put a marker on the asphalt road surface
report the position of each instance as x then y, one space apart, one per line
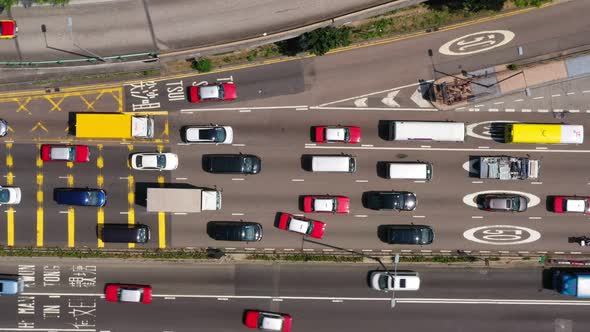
62 294
276 106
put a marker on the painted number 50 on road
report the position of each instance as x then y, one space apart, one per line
502 235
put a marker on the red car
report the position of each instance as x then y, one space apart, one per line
128 293
577 204
302 225
326 203
75 153
337 134
213 92
8 29
268 321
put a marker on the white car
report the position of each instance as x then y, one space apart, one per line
154 161
403 281
10 195
207 134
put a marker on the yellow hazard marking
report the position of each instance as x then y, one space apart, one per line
9 178
39 161
166 129
160 148
70 164
22 106
10 227
9 160
40 196
70 180
161 179
100 222
39 226
71 227
131 221
90 105
39 125
56 106
99 181
39 179
100 162
161 229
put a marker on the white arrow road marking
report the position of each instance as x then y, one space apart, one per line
361 102
419 100
389 100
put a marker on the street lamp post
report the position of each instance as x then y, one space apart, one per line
395 261
71 31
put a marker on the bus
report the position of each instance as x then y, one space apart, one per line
544 133
426 131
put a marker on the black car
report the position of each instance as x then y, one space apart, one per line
406 234
390 200
234 230
232 163
123 233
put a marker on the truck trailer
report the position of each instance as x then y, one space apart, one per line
572 283
182 200
508 168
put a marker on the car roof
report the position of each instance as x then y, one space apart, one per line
323 204
273 323
130 295
298 225
335 134
576 205
209 92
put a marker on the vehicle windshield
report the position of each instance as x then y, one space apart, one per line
513 204
249 233
346 134
161 161
425 236
4 195
384 281
142 235
221 91
248 165
93 197
72 151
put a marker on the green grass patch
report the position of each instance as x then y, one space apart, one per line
306 258
95 253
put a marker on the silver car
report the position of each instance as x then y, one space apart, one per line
504 202
3 128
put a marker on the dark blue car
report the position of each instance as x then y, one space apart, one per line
80 196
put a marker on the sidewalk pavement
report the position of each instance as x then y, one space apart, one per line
496 81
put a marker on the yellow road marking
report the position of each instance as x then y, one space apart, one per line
70 164
10 227
160 148
23 106
100 162
131 221
100 222
70 180
9 160
166 129
40 196
99 181
39 226
55 105
71 227
39 125
9 178
161 229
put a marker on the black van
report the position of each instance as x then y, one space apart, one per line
123 233
232 163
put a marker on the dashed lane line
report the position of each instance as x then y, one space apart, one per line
392 148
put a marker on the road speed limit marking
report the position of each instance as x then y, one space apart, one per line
477 42
502 235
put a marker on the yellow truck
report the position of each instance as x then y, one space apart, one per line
114 125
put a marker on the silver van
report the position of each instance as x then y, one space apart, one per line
340 163
409 171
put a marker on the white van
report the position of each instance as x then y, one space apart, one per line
408 171
342 163
426 131
401 281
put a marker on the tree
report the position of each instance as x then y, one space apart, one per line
466 5
320 41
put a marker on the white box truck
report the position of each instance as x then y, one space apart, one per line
508 168
183 200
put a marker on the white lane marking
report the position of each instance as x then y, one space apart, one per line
288 249
372 108
389 100
386 250
535 218
180 213
306 108
237 214
371 94
536 182
483 147
181 178
367 145
574 111
238 179
391 148
541 148
575 252
277 300
469 199
518 100
222 299
425 146
62 211
418 216
419 100
123 212
297 180
419 181
510 110
557 95
476 182
310 144
570 93
476 217
479 105
361 102
238 144
499 103
124 143
586 91
493 110
526 110
558 110
269 249
538 98
560 252
308 249
459 108
504 251
245 111
123 178
361 180
367 250
337 301
473 110
361 215
240 108
327 249
543 111
484 251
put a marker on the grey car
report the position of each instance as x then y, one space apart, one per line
504 202
3 128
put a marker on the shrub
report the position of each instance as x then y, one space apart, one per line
512 66
202 65
320 41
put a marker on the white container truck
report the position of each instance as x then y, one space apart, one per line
188 200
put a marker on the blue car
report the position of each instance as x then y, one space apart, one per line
80 196
11 286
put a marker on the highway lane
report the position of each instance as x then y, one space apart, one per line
326 296
134 26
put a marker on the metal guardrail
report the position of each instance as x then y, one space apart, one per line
148 55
